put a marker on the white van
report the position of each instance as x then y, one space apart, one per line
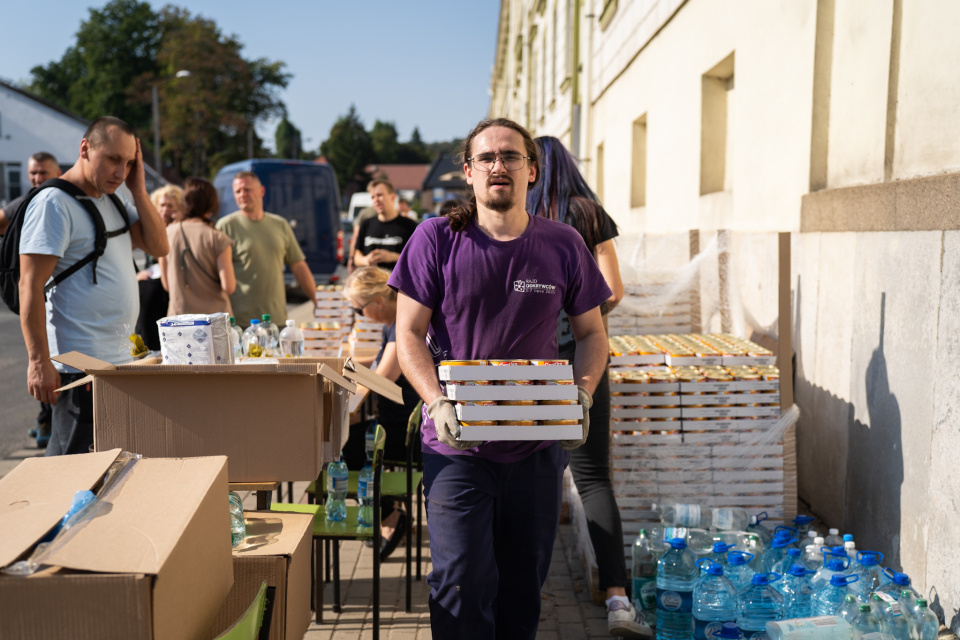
359 200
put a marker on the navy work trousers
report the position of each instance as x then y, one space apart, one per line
492 530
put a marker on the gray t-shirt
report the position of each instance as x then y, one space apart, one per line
94 319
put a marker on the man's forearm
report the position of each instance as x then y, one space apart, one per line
417 365
305 279
590 361
33 322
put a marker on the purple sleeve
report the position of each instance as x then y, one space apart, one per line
416 273
587 287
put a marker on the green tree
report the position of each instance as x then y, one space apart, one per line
287 140
116 45
414 151
386 146
349 149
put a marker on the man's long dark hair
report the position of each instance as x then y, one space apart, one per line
562 194
464 212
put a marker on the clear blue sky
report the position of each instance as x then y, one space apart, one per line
419 63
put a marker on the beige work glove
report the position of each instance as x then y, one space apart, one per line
443 412
586 401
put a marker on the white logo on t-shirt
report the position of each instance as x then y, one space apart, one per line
530 285
389 241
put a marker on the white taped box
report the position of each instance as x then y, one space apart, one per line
536 412
521 432
465 393
738 399
329 291
362 324
336 315
635 401
652 358
196 338
315 343
519 372
321 353
333 303
322 334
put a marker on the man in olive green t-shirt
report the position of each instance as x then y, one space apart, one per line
262 244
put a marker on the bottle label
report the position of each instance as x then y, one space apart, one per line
645 592
890 600
723 519
364 489
704 629
333 484
687 515
674 601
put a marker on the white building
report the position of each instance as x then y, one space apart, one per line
29 124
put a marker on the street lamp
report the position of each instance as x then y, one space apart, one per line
183 73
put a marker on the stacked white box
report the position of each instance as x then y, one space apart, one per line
366 337
333 306
321 339
541 385
653 306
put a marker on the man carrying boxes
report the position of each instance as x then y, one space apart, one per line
489 281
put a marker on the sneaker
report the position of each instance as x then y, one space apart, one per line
43 435
625 621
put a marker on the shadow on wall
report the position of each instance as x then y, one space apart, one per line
869 498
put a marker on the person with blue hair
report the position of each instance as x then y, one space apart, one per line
562 194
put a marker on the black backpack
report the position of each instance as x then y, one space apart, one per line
10 244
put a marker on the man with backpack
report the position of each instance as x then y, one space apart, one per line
40 167
94 309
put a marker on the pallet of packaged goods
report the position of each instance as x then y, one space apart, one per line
650 307
513 399
321 339
332 306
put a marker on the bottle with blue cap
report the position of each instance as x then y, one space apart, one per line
738 570
718 554
828 600
776 552
693 515
783 565
728 631
756 527
802 524
833 564
677 575
892 594
797 594
714 600
758 604
870 573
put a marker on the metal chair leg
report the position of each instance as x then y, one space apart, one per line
336 577
419 529
317 584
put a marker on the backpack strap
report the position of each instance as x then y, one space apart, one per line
101 237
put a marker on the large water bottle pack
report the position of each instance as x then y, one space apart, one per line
779 589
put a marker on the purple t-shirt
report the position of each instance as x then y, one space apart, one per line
496 300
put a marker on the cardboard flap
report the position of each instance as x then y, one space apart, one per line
76 383
139 528
37 494
274 533
82 362
374 381
336 378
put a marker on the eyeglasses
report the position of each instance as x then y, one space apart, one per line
511 161
359 310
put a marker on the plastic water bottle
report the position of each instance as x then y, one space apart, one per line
236 338
850 608
252 341
812 556
929 624
867 625
692 515
757 604
833 538
337 476
365 496
291 340
714 601
902 626
729 631
797 594
802 523
850 547
272 342
820 628
646 552
370 440
677 575
776 553
832 565
828 600
783 565
738 570
719 555
891 593
870 573
755 527
238 526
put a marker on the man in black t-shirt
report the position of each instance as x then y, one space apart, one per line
381 239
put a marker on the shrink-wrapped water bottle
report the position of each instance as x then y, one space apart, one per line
253 340
236 339
818 628
677 574
692 515
758 604
832 565
272 332
365 496
776 552
782 566
714 601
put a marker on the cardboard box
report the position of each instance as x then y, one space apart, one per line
154 563
522 372
276 422
276 551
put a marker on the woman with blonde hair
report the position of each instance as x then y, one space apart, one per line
168 200
368 293
198 271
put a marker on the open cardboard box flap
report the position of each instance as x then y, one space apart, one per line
91 365
38 492
373 381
